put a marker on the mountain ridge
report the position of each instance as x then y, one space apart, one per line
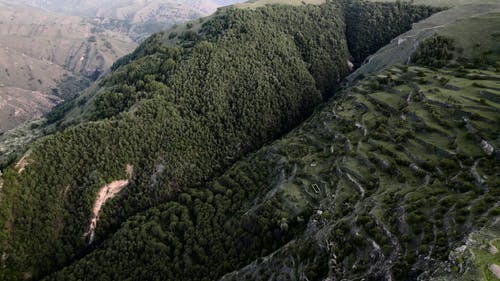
316 203
154 85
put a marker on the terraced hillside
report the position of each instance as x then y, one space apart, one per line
382 183
397 171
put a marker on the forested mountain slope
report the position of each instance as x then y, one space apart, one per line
382 183
395 178
172 116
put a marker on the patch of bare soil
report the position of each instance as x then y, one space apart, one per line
105 193
23 163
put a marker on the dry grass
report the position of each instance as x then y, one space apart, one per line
259 3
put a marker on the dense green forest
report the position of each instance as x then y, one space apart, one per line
181 115
369 187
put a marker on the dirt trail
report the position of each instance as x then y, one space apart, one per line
105 193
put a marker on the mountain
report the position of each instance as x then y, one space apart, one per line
135 11
137 18
51 50
179 110
393 179
47 57
404 190
232 148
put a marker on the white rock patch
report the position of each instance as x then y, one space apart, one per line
495 269
487 148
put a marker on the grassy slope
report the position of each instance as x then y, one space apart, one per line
477 37
444 3
466 24
401 186
474 257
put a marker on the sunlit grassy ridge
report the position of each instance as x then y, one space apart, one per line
474 29
442 3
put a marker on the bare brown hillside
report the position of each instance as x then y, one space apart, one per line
39 49
136 11
18 106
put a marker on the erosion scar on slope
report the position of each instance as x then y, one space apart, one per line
23 162
105 193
